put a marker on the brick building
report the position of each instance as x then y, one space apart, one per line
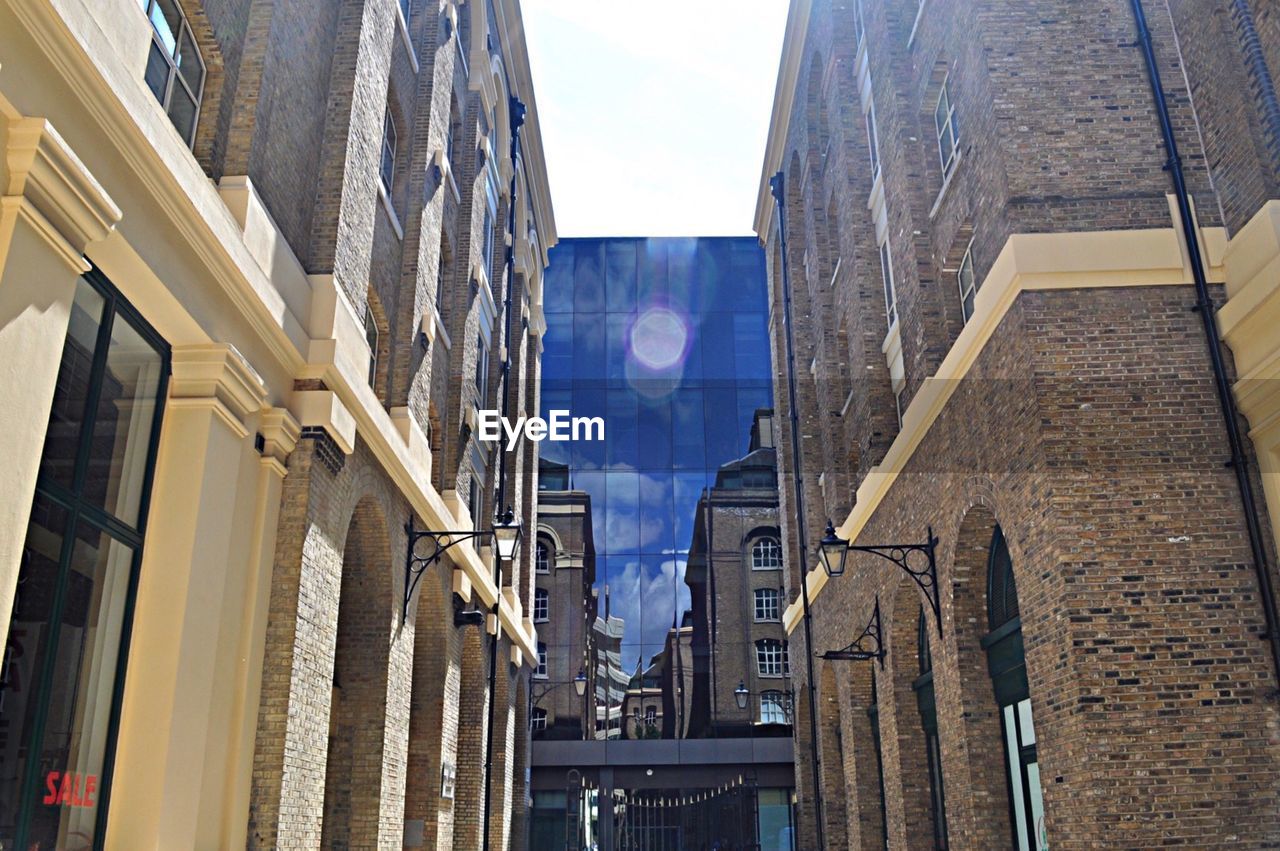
735 588
254 262
564 609
994 336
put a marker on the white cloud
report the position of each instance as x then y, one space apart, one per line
654 116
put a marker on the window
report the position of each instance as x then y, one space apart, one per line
771 658
76 574
541 670
175 71
774 708
766 604
441 271
886 275
948 128
538 720
406 8
873 718
766 554
873 142
542 558
968 285
923 687
488 242
859 25
541 605
387 171
474 499
482 373
650 716
371 337
1007 664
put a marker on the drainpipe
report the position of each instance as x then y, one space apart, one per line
1259 72
776 187
517 120
1204 306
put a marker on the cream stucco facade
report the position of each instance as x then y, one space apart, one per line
93 174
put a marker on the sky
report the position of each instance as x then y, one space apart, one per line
654 115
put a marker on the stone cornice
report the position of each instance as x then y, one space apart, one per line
793 43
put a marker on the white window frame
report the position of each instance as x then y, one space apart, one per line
758 546
371 338
774 707
766 605
542 557
174 75
540 672
541 605
873 141
538 719
968 288
859 26
771 658
886 277
387 163
946 128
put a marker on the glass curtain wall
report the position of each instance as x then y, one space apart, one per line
667 341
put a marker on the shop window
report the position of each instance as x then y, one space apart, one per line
62 674
925 703
1007 665
766 554
175 70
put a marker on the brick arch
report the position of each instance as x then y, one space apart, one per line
865 809
902 630
832 760
970 726
354 767
433 650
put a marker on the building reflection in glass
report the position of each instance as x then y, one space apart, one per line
662 562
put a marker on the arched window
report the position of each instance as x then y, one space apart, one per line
774 708
923 687
766 554
541 605
175 71
1006 662
542 558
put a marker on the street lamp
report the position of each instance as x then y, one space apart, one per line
427 547
832 551
580 682
740 694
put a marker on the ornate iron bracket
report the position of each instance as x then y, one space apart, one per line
918 561
856 651
425 549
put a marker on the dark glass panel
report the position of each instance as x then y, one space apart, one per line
721 426
71 393
717 346
588 278
557 283
687 429
122 427
157 72
620 277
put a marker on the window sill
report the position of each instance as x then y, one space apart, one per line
765 569
542 620
391 211
403 26
946 183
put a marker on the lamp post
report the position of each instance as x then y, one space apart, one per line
579 684
776 184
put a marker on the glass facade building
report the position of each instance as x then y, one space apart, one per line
666 340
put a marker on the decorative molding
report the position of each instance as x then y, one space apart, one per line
44 170
280 433
217 374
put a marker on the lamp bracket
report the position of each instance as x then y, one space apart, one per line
860 649
435 545
919 561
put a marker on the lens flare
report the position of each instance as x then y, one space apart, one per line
659 339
